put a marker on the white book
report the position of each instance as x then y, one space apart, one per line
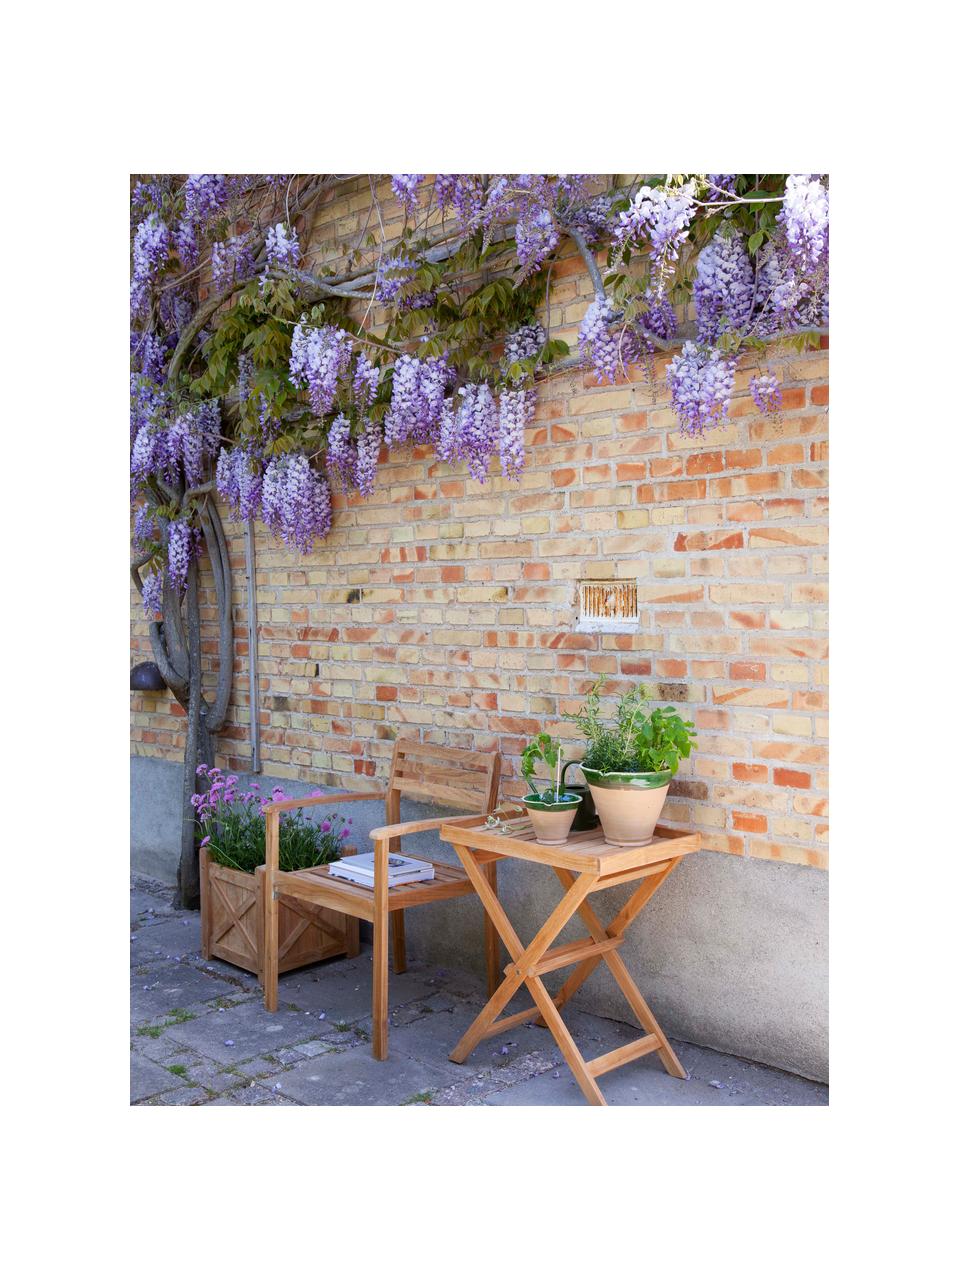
359 868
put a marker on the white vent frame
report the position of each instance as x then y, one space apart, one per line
610 605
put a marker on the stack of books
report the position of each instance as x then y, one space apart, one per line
400 870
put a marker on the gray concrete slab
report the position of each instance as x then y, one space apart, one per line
352 1077
343 989
147 1079
172 986
175 938
242 1032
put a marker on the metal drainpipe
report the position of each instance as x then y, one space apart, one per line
252 647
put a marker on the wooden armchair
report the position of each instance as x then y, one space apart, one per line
444 775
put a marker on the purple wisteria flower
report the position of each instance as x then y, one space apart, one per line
405 189
469 429
239 480
144 526
663 216
153 594
368 456
282 247
701 384
724 286
597 341
231 260
416 401
462 191
395 276
181 548
523 344
151 246
766 391
342 452
805 218
319 358
186 243
296 501
517 406
193 437
204 194
366 380
721 186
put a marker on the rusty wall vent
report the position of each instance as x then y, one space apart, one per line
608 605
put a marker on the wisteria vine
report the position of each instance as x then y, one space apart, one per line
256 380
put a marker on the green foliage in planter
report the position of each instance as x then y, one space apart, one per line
234 827
637 740
544 748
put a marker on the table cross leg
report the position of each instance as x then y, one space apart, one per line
615 964
522 970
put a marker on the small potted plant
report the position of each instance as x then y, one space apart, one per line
232 852
629 762
552 810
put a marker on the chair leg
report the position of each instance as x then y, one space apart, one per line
380 954
399 942
491 940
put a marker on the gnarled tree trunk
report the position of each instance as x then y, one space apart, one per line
176 643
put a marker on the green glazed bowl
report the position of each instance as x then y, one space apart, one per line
627 781
568 802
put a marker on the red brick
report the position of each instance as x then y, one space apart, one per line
386 693
700 464
747 671
790 778
750 772
820 395
755 822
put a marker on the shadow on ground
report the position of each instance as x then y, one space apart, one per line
201 1037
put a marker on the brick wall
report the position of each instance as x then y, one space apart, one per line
446 609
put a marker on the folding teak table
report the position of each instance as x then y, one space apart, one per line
584 864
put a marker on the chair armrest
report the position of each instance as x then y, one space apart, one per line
338 797
428 824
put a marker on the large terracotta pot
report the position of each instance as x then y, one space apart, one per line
629 804
552 822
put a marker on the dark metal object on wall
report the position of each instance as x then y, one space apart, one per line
146 678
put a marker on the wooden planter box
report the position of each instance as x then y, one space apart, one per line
231 922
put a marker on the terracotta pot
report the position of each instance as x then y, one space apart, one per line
552 822
629 804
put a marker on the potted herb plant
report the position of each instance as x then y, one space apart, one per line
231 878
552 810
630 761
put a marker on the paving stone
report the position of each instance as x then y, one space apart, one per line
345 994
314 1048
644 1083
148 1079
251 1096
186 1096
431 1038
173 939
249 1028
353 1077
171 986
243 984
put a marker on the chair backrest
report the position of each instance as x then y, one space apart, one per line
448 776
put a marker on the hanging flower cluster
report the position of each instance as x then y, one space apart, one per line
319 358
394 278
405 189
417 399
598 343
766 392
805 218
151 245
183 544
663 217
230 260
723 290
239 480
295 503
701 384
